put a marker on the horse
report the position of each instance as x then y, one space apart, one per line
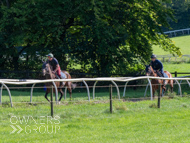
155 82
47 73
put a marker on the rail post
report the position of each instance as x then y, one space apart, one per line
88 92
111 110
94 86
1 94
151 94
118 93
125 89
175 73
8 93
159 96
56 92
31 92
51 101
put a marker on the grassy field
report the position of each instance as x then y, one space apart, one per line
82 121
91 122
182 42
182 67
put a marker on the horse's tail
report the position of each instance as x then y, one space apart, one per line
73 85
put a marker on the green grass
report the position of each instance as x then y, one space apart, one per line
83 121
182 67
182 42
92 122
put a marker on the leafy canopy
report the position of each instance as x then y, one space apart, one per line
112 36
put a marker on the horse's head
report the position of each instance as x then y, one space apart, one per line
45 68
149 70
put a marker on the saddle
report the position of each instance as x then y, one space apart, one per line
160 74
63 76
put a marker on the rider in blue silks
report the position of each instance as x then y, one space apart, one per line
158 66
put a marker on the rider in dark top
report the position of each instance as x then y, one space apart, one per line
157 65
55 64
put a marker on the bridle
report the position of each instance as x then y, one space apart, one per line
150 71
46 70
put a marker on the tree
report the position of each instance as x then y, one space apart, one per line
111 36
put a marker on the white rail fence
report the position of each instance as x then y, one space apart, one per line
5 82
170 58
175 33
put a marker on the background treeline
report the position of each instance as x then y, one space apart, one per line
102 37
181 10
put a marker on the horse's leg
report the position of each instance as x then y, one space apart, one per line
163 90
46 96
172 85
61 95
172 89
70 89
153 91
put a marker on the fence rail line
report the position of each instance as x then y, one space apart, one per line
84 80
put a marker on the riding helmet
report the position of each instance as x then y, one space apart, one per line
153 56
50 55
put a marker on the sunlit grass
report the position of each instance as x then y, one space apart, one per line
92 122
182 42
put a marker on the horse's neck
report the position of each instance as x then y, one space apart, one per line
153 73
50 73
156 75
48 76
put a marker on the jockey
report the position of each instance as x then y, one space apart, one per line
54 63
158 66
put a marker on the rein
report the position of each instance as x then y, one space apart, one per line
154 74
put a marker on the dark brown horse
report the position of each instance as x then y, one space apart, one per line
155 83
47 72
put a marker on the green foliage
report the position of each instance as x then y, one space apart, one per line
181 10
112 36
